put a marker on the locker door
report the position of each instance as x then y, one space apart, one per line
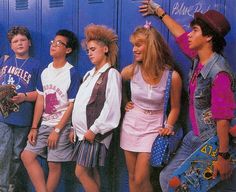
26 13
3 27
57 14
129 19
98 12
230 51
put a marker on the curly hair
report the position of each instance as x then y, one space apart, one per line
18 30
157 55
105 35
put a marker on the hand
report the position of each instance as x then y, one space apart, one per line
149 7
72 136
165 131
224 167
89 136
19 98
53 139
129 106
32 136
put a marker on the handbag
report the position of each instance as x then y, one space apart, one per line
164 146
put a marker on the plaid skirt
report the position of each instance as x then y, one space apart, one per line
90 154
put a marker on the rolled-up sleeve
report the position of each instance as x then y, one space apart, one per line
222 100
182 41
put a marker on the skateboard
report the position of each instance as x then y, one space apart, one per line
196 172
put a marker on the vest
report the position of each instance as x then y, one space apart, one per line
202 94
96 103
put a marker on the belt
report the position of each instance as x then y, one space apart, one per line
148 112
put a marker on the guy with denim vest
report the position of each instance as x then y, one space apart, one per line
211 89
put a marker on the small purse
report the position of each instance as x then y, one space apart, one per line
164 146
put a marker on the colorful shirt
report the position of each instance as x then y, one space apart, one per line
23 74
222 96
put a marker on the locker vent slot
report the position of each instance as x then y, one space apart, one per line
56 3
22 4
95 1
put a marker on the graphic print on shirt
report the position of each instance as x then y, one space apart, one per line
15 76
51 102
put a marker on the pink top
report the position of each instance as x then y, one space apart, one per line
222 99
146 96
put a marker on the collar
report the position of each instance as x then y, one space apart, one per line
101 70
208 66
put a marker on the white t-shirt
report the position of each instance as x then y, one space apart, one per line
59 87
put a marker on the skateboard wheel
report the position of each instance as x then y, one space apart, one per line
175 182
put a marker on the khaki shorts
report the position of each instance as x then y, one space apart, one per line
63 151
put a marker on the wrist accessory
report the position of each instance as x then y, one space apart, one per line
34 128
225 155
162 15
25 94
152 7
57 130
169 126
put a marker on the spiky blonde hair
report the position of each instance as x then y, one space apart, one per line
107 36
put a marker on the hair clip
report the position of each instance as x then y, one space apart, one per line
147 25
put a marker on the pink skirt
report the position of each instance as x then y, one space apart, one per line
139 129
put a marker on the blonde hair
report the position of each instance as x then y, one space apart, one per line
157 55
107 36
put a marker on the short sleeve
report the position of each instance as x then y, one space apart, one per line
74 85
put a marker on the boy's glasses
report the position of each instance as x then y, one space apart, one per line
57 43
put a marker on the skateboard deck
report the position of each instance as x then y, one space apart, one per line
195 173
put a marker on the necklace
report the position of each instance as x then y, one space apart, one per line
21 64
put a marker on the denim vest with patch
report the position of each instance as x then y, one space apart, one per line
202 95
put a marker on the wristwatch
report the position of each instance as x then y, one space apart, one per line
57 130
225 155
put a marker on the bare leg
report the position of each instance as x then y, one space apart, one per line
142 173
53 176
131 158
139 171
86 178
34 170
97 177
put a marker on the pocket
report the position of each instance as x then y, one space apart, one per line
203 98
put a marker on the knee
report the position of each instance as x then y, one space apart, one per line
80 173
140 181
131 177
54 167
26 157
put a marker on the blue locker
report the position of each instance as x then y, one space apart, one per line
27 13
3 28
45 17
57 14
230 51
128 19
97 12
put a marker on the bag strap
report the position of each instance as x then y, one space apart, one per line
167 95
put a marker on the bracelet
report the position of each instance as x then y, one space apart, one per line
169 126
25 94
34 128
162 15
